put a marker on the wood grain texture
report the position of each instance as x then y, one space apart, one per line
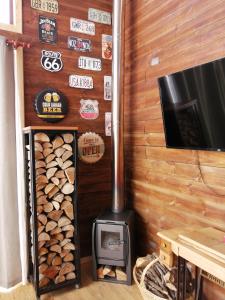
169 187
94 180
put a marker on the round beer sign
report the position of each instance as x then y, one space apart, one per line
91 147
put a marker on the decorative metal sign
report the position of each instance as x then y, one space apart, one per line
99 16
107 46
81 82
91 147
82 26
108 124
107 87
89 109
51 61
47 30
50 6
51 105
78 44
90 63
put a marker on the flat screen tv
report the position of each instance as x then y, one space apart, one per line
193 106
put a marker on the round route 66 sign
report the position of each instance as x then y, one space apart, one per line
51 61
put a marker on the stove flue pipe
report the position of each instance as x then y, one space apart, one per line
118 203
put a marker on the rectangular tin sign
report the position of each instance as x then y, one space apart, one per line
50 6
82 26
47 30
81 82
79 44
107 87
99 16
108 123
107 46
89 63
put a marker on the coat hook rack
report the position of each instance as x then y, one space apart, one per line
16 44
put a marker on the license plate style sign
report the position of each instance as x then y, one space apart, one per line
78 44
82 26
99 16
81 82
50 6
90 63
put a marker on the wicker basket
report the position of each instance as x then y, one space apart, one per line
146 294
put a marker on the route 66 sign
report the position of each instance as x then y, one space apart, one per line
51 61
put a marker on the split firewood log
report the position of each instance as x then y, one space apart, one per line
70 276
40 164
47 145
59 151
59 197
50 226
59 236
41 179
43 237
41 137
69 234
62 182
51 172
69 246
41 244
43 219
66 268
50 258
42 268
42 259
56 205
107 269
59 279
40 209
40 229
68 198
42 200
52 164
38 155
51 272
68 147
55 231
69 257
68 188
53 192
57 261
40 171
64 242
64 253
120 274
66 164
70 174
42 251
68 138
68 228
66 155
43 282
63 221
49 158
56 248
55 180
39 193
47 151
57 142
59 161
39 187
55 215
65 204
68 208
38 147
51 242
100 273
49 187
60 174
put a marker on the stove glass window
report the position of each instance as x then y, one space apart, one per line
110 240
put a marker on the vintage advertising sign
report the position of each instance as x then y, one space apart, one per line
89 109
51 61
91 147
107 46
108 88
82 26
108 124
99 16
78 44
50 105
50 6
90 63
47 30
81 82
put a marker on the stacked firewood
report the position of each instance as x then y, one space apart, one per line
111 272
55 179
159 279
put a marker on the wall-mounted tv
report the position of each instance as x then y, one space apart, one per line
193 106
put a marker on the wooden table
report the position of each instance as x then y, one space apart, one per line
186 252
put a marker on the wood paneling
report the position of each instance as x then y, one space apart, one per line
169 187
94 180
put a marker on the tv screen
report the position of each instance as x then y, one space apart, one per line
193 106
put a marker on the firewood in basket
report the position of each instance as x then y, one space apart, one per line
42 268
64 242
67 164
56 205
47 152
57 261
38 147
59 279
38 155
70 174
50 226
100 273
70 276
49 187
58 197
43 282
57 142
68 138
63 221
42 218
66 268
59 161
59 151
69 234
50 258
120 274
68 188
62 182
69 227
55 215
69 246
69 257
56 248
40 171
49 158
68 147
52 164
51 272
51 172
43 237
53 192
41 137
47 145
60 174
42 251
40 209
55 231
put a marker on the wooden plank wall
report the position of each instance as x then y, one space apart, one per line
94 180
169 187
